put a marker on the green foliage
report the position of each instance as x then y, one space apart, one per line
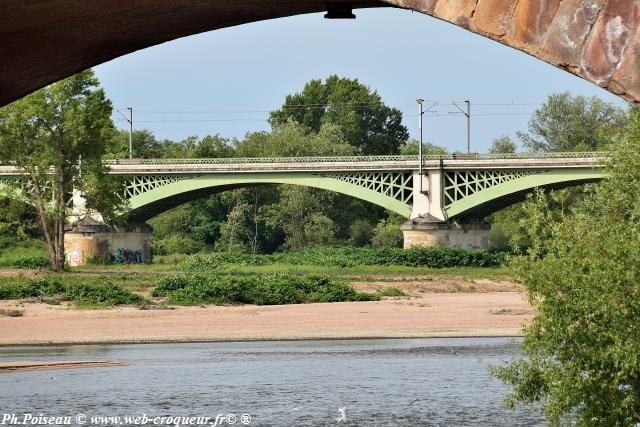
80 294
351 256
582 274
260 290
58 135
366 122
361 232
31 262
563 123
24 254
502 145
176 244
387 234
412 145
18 221
574 123
392 292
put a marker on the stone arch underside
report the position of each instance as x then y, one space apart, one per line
147 204
47 40
484 202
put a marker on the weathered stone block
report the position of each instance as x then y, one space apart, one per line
626 79
569 30
612 32
459 12
425 6
494 16
532 20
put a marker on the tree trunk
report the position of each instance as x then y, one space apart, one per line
254 244
44 221
60 216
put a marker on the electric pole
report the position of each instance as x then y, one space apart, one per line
468 126
468 115
130 132
420 114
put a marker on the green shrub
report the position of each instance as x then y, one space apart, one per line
392 292
351 256
94 294
260 290
107 294
360 232
176 244
29 254
31 262
387 235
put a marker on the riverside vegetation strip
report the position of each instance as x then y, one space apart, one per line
313 275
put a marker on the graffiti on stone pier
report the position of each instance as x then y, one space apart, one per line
128 256
74 258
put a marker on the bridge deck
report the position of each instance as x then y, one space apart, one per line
345 164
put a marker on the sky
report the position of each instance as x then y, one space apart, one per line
226 81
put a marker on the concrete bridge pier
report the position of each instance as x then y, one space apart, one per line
428 225
88 239
423 232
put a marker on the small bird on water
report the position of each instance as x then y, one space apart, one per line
343 414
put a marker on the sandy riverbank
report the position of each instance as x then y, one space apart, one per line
488 309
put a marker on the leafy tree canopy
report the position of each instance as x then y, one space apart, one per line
58 135
582 274
574 123
366 122
502 145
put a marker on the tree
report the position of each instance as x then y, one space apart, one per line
144 143
297 213
428 149
563 123
366 122
58 136
387 234
361 232
502 145
574 123
582 350
235 231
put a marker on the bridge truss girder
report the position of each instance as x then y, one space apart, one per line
475 194
150 195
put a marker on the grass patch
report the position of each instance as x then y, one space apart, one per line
272 289
52 288
11 313
392 292
31 254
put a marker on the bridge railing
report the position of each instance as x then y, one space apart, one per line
354 159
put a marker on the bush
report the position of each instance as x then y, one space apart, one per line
273 289
361 232
392 292
26 254
387 235
350 256
94 294
31 262
176 244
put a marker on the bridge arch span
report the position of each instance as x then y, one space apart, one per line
484 201
154 199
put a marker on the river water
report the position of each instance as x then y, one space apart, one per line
430 382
